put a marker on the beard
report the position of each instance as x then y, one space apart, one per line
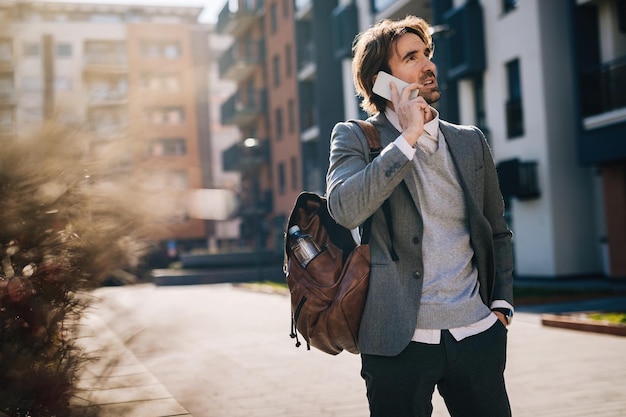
431 96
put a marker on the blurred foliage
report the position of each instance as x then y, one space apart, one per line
609 317
67 221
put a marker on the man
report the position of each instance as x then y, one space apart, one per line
440 293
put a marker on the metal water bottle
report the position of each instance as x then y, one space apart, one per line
303 246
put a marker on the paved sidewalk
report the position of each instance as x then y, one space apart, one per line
222 351
114 382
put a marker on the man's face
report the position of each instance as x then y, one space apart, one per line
410 62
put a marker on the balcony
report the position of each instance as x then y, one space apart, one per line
239 157
108 132
308 110
107 98
105 63
603 89
6 123
7 98
251 209
244 109
6 64
236 23
306 62
304 9
240 60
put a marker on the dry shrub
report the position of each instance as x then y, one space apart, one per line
67 221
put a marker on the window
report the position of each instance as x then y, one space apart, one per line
276 70
6 119
105 53
508 5
32 84
6 50
171 50
288 59
161 49
63 50
31 115
621 15
291 116
166 115
279 123
514 110
161 82
6 87
63 84
31 49
281 178
286 10
167 147
294 173
274 17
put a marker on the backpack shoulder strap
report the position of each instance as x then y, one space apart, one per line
371 133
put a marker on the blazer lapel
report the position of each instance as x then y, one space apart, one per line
463 156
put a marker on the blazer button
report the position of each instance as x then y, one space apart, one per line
417 275
416 240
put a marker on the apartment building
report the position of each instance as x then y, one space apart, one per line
133 73
224 235
543 79
261 60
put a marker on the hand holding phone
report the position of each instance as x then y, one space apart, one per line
382 88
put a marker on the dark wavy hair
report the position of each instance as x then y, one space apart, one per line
371 51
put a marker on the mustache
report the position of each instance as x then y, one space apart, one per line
427 75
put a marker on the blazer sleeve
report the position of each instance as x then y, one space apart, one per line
356 188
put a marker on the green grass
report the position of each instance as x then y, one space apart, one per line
611 317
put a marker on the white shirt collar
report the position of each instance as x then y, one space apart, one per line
431 128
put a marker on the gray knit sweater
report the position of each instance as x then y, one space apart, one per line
450 297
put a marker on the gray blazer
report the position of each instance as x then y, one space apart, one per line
356 190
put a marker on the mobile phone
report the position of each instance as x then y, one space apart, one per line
381 86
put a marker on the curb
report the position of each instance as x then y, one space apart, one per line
582 323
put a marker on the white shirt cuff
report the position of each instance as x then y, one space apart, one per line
404 147
501 304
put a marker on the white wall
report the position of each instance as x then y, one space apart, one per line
555 234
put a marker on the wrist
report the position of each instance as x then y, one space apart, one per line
506 312
411 136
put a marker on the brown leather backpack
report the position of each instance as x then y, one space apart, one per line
327 297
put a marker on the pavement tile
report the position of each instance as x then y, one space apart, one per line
113 382
154 408
223 351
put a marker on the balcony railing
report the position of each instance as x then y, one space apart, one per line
107 97
109 131
240 158
6 63
106 62
603 87
7 97
236 22
306 56
243 109
241 59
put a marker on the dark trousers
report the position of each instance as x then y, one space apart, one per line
467 373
